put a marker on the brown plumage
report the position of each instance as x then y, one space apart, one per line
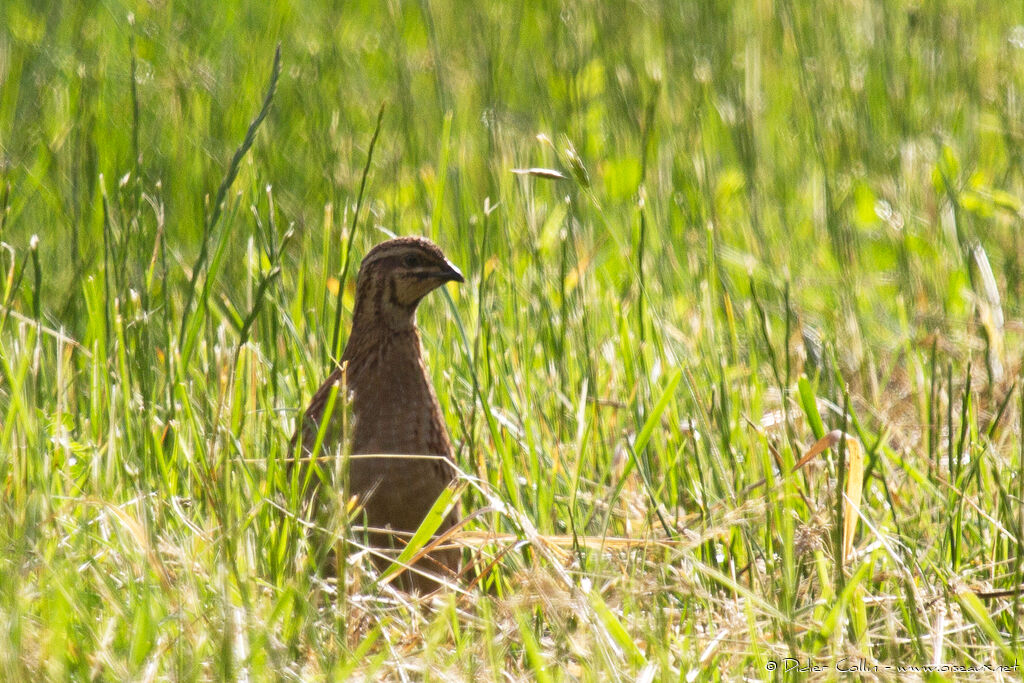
393 405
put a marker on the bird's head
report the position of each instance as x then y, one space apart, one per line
395 276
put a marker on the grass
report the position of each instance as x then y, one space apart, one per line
764 222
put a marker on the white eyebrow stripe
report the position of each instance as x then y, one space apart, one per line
395 250
392 250
373 258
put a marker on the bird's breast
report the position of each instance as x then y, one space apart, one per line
394 407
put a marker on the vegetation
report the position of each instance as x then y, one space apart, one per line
748 226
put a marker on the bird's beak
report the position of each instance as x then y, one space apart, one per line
449 273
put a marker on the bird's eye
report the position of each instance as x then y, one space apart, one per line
411 261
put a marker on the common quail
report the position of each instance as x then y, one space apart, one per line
393 406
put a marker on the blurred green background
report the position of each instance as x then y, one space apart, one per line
806 136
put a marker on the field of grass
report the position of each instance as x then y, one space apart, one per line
760 223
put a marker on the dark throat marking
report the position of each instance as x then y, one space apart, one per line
393 294
378 299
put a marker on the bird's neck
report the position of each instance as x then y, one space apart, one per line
378 312
377 332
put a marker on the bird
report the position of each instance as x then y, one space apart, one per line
394 410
